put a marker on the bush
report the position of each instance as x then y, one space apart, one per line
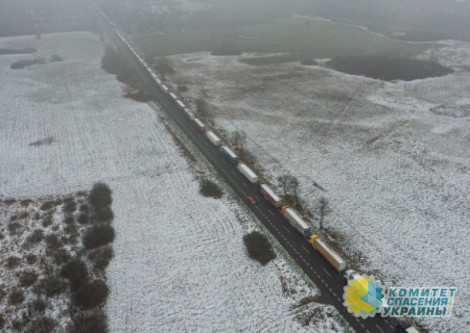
101 257
100 195
47 220
97 236
14 228
83 219
69 219
16 297
258 247
84 209
36 236
91 294
53 243
31 259
38 305
89 322
28 278
12 262
104 214
47 205
69 206
210 189
41 325
76 272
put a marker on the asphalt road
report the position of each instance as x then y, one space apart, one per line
328 280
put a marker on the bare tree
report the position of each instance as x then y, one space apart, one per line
283 180
238 139
293 186
323 209
201 107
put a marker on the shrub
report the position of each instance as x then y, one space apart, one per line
101 257
13 218
28 278
47 220
76 272
83 219
26 202
41 325
89 322
36 236
91 294
24 214
2 322
104 214
14 228
61 256
258 247
210 189
100 195
38 305
84 209
97 236
47 205
164 66
16 297
69 219
69 206
12 262
53 243
31 259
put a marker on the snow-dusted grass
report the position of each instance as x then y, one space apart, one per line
180 263
393 158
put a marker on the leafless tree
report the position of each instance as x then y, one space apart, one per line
323 209
238 139
293 186
201 107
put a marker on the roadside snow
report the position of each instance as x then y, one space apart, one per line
393 158
180 263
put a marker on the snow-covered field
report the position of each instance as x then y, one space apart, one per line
393 157
180 263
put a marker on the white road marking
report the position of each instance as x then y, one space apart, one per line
257 198
303 247
287 229
379 328
326 271
271 212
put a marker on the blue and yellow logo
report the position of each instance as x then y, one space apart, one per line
363 296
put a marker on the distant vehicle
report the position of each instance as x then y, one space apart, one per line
403 327
180 104
333 258
295 220
165 89
188 114
248 173
200 125
173 96
229 154
214 139
251 200
270 195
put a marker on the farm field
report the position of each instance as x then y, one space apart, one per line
179 260
301 37
390 157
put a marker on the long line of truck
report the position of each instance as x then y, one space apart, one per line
290 214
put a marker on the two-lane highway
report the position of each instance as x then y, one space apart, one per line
309 260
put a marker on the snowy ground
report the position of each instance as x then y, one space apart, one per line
180 263
393 158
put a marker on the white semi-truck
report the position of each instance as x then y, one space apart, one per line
214 139
295 220
248 173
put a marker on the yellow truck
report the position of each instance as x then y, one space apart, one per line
333 258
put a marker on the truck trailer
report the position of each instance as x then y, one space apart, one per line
200 125
229 154
174 97
248 173
295 220
165 89
213 138
269 194
188 114
333 258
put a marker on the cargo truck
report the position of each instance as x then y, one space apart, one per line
295 220
174 97
165 89
405 328
200 125
213 138
248 173
188 114
269 194
229 154
333 258
180 104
